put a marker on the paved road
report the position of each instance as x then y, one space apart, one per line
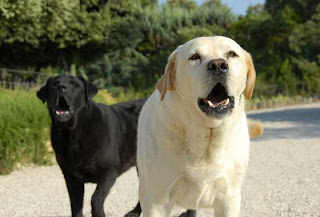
283 177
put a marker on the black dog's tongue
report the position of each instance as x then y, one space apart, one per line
62 112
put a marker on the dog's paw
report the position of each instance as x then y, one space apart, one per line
132 214
188 213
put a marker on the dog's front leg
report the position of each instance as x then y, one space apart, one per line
103 187
152 208
76 191
227 206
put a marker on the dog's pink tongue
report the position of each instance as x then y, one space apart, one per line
62 112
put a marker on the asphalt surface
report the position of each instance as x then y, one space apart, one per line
283 177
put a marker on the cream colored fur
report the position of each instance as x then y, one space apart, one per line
186 158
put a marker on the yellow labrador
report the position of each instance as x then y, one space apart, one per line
193 141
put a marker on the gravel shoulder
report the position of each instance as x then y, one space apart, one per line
282 178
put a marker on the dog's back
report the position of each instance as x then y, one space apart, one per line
126 121
130 108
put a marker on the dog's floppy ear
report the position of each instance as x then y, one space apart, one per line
90 89
167 81
251 76
43 92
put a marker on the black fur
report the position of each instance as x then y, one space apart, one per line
92 142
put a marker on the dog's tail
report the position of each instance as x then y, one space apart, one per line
255 128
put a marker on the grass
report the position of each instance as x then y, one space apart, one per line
24 127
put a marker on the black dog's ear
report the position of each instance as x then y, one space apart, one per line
90 89
43 92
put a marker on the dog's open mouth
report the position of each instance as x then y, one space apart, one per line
217 103
62 108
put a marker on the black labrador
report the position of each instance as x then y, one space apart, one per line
92 142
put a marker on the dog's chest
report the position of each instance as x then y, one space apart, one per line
77 161
192 194
207 173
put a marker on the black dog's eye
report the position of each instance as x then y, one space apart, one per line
73 83
231 54
54 84
195 57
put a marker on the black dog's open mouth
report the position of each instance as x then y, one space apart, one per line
217 103
62 109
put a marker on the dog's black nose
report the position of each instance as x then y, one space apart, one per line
218 66
62 87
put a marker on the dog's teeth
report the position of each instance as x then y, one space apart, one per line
226 102
57 112
210 103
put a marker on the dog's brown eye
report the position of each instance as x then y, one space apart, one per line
195 57
231 54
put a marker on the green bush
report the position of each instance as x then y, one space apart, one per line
24 130
123 94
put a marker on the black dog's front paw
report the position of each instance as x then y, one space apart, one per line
132 214
135 212
188 213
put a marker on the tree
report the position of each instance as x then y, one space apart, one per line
121 56
185 4
305 42
212 3
303 8
146 3
305 39
42 33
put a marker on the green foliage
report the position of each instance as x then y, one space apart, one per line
141 40
43 33
287 78
105 97
285 46
126 44
303 8
122 94
146 3
24 127
305 39
185 4
310 75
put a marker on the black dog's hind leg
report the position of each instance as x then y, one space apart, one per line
76 191
189 213
135 212
102 190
